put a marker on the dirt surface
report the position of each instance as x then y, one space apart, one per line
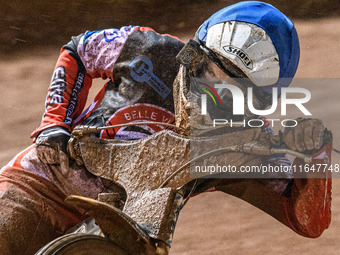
29 24
212 223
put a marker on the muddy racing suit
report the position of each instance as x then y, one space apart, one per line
141 66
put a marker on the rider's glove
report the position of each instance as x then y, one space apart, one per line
306 135
52 147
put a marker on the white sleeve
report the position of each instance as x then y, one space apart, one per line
99 50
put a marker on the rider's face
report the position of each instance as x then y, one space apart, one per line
209 70
213 72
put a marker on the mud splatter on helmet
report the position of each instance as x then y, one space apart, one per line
257 38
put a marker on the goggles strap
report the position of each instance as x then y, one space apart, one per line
214 58
194 52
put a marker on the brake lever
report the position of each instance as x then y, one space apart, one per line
307 155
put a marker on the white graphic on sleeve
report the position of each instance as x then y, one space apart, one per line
58 86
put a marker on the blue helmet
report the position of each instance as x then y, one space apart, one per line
258 39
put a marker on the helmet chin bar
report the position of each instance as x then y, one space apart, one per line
248 47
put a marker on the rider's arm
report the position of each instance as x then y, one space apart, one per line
306 209
302 204
87 56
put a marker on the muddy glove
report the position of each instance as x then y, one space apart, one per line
52 147
306 135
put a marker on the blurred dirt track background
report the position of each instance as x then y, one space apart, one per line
31 34
26 24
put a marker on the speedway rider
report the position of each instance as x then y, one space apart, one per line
142 68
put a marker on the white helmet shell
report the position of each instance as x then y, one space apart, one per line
248 47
